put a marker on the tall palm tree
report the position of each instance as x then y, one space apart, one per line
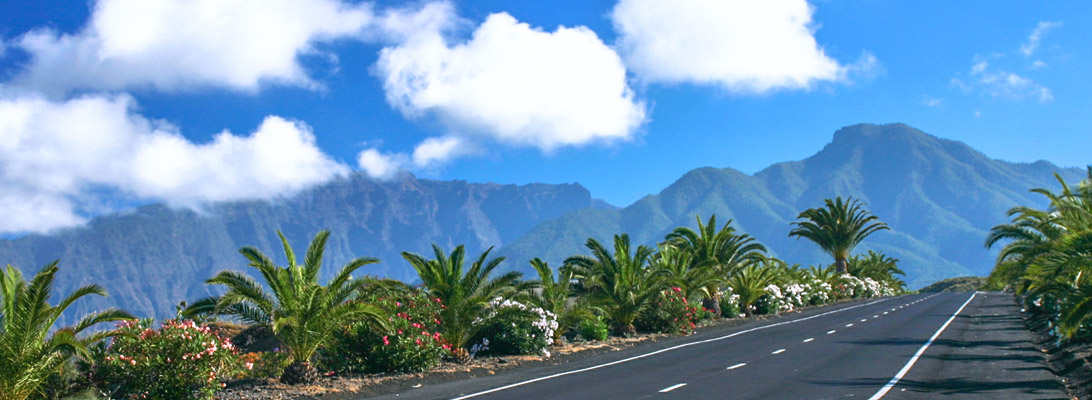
29 353
750 283
303 314
722 250
619 282
837 228
554 295
465 293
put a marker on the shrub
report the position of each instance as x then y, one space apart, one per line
729 304
671 313
180 360
264 364
593 329
513 328
412 341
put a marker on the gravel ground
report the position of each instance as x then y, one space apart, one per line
1069 362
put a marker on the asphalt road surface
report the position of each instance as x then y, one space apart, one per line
923 346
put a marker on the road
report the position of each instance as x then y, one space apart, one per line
923 346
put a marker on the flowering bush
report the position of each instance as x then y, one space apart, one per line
772 302
729 304
671 313
266 364
510 327
180 360
854 287
412 341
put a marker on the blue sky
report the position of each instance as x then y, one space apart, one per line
109 103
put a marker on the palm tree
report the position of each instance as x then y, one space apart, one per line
553 295
677 268
1049 254
29 353
877 266
464 293
303 315
620 283
837 228
750 283
722 250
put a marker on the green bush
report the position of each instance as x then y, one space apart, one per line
513 328
265 364
411 343
180 360
671 313
593 329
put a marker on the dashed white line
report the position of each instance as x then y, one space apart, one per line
808 339
779 351
864 320
679 346
672 387
737 365
831 331
848 325
885 313
876 316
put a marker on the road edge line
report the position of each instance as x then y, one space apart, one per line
594 367
910 364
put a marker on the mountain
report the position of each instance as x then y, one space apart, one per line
940 198
152 257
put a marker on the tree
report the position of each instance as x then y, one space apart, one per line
303 314
1049 255
464 293
677 268
724 251
877 266
620 283
750 283
29 353
837 228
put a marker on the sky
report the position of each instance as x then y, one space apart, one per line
106 104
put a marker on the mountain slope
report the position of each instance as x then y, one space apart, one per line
152 257
940 197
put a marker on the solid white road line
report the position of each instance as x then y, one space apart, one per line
737 365
637 357
779 351
808 339
831 331
672 387
910 364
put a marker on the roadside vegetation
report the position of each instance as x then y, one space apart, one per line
1046 257
283 323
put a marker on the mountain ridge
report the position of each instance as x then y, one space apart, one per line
940 196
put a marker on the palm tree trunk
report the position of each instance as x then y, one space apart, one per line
712 304
840 266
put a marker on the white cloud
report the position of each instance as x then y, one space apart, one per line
182 44
1038 64
439 150
55 155
999 83
933 102
379 165
1028 48
744 46
509 82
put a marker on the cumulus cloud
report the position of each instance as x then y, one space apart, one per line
182 44
1000 83
743 46
1028 47
379 165
55 155
509 82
